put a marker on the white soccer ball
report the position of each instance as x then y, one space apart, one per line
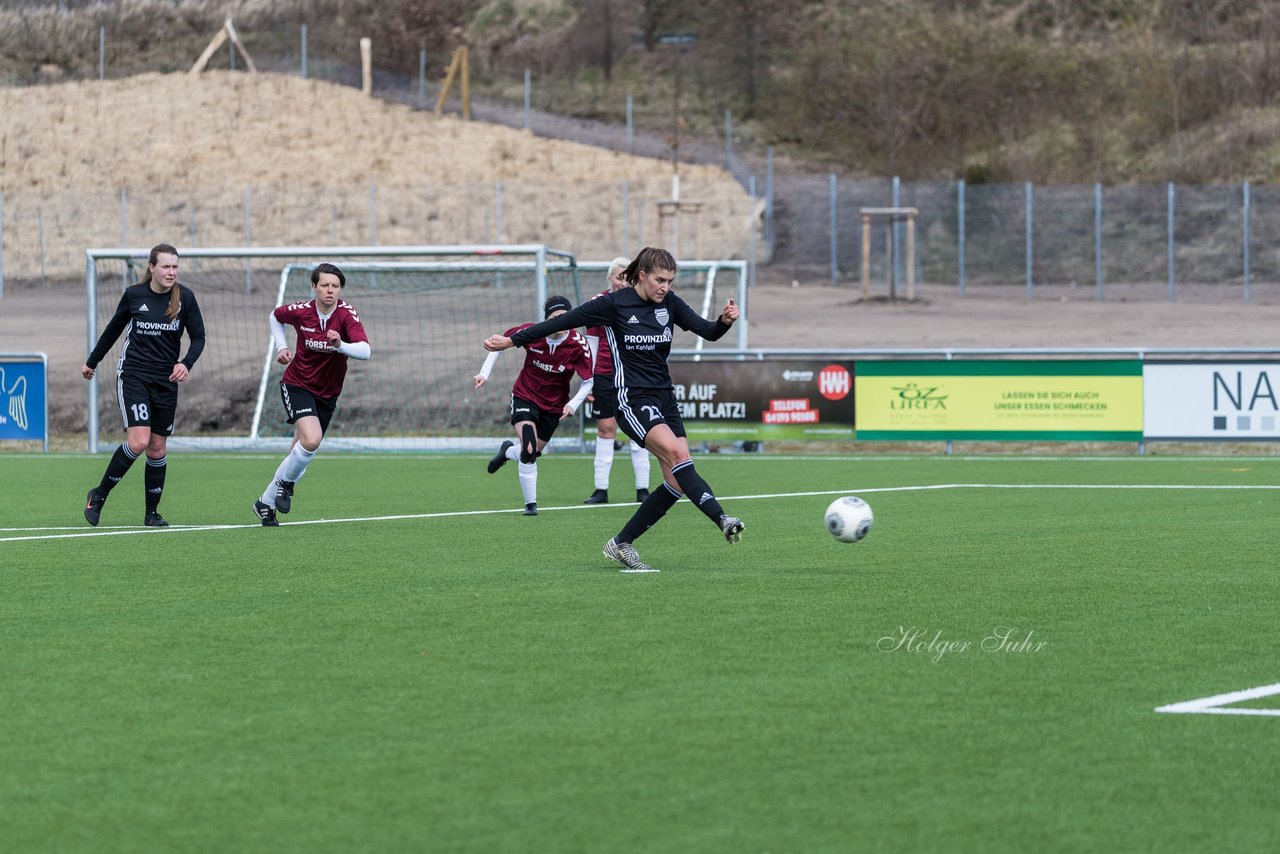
849 519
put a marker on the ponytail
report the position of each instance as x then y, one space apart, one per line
175 302
649 259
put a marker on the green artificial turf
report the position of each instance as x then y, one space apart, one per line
422 668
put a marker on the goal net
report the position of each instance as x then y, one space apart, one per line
427 310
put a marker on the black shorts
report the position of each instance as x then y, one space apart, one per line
641 410
298 403
544 422
147 403
605 398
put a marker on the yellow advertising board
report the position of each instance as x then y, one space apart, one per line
1071 400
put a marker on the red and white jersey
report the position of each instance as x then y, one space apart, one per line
549 368
604 354
317 366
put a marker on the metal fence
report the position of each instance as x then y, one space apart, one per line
1027 236
1021 236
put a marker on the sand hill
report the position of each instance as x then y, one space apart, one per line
187 150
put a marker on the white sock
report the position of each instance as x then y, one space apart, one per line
640 462
604 462
529 482
513 453
283 470
295 465
292 467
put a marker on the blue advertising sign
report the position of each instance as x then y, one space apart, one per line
24 397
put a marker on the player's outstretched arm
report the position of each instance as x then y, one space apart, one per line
686 317
596 312
486 369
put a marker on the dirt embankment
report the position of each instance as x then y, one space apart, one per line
305 162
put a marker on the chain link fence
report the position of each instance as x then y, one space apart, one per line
1023 237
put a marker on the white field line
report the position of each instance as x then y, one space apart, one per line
43 533
1219 704
737 457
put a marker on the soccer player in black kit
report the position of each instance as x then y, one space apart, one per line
638 323
153 315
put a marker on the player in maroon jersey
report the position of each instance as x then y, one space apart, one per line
540 397
604 404
329 332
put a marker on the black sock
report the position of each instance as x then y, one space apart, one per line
698 490
120 462
155 481
648 513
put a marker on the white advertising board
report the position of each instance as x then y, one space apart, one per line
1237 401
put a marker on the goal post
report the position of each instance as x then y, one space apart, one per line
719 280
705 285
427 310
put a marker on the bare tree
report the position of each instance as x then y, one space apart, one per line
606 51
755 22
654 17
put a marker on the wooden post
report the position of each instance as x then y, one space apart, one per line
366 66
235 40
888 255
911 258
891 216
669 214
675 230
228 31
459 66
692 209
214 44
466 82
448 81
866 256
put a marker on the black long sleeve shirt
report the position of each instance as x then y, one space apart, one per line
153 342
638 331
